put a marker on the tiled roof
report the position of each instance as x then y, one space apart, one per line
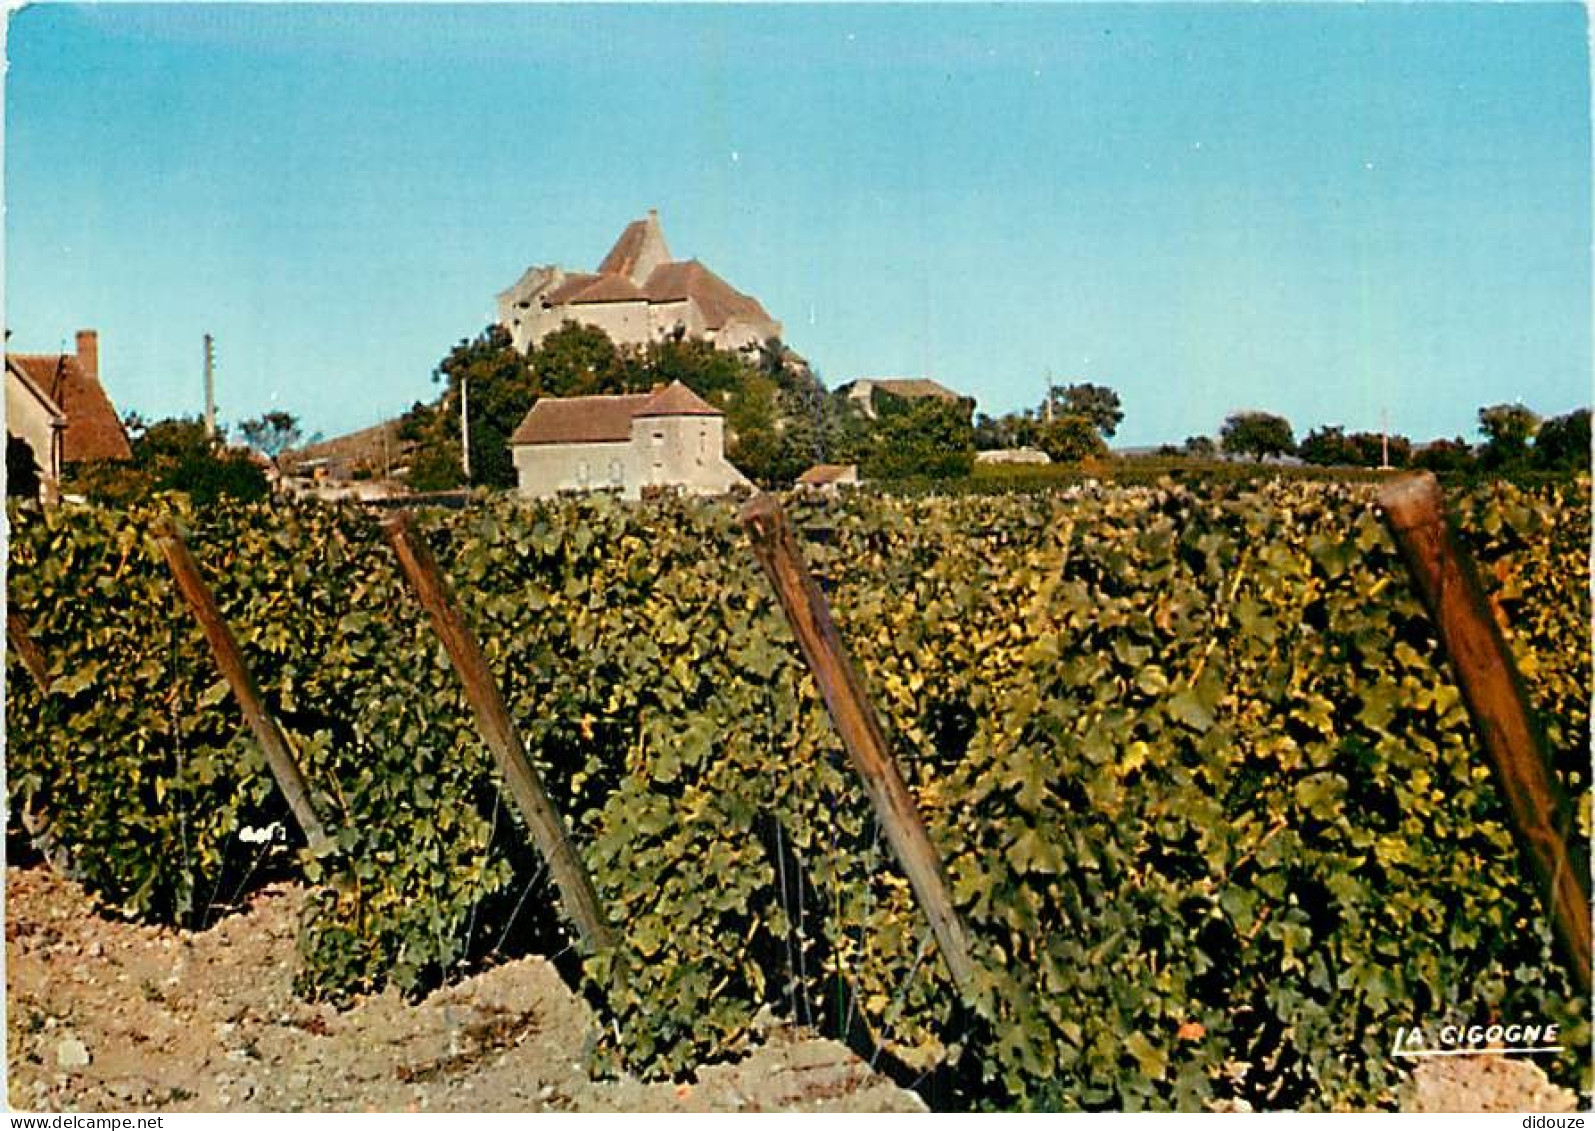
93 431
608 288
35 389
369 445
623 256
910 387
603 419
572 286
642 241
579 420
822 473
717 299
675 399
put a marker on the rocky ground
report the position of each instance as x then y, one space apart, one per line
110 1016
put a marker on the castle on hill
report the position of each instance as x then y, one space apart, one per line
639 294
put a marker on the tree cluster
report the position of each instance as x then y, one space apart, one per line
779 418
176 454
1071 424
1515 439
768 398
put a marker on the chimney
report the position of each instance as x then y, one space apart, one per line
89 354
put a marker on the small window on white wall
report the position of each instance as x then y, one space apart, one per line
617 473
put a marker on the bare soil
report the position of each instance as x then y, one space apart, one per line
105 1015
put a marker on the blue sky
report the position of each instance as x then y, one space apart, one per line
1330 212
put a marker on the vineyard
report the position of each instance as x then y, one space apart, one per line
1209 802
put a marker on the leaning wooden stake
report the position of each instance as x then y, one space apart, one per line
27 651
839 683
230 662
1494 694
498 730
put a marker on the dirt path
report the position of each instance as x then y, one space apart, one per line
111 1016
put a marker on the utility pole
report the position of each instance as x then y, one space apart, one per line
1049 396
465 426
1384 439
210 387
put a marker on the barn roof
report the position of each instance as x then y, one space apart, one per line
93 430
717 299
675 399
604 419
823 473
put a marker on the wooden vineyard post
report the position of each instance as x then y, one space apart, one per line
27 650
778 552
230 662
1493 691
498 730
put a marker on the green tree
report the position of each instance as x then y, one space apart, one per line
1563 442
712 374
1097 404
1071 439
753 438
919 437
1371 448
175 455
774 405
575 360
1445 455
1199 447
498 384
272 433
1507 430
1328 446
1009 431
848 432
1257 434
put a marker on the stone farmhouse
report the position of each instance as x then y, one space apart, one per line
862 392
56 405
669 438
637 295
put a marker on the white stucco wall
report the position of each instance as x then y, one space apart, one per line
664 317
544 470
31 422
520 308
737 334
684 452
626 323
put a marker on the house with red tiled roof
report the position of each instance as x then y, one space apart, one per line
638 294
57 405
35 421
666 439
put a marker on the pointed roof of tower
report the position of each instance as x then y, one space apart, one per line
640 248
675 399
